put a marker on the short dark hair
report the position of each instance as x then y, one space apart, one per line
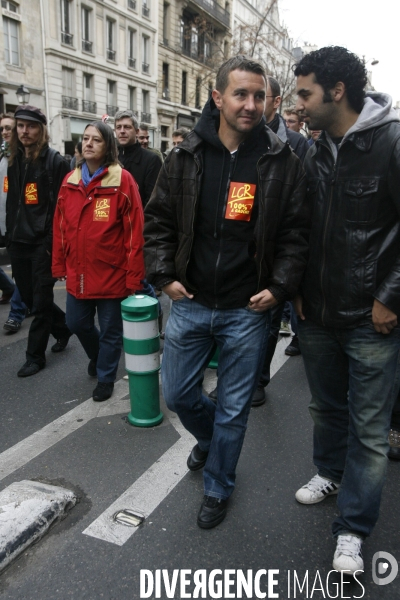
182 132
240 63
107 134
332 64
274 85
7 115
143 126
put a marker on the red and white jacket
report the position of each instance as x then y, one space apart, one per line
98 235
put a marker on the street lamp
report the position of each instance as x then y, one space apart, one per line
373 61
23 94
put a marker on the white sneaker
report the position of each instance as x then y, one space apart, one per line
316 490
285 329
348 554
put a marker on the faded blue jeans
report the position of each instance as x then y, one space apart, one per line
241 336
353 376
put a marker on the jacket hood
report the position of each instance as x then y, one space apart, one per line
208 125
377 111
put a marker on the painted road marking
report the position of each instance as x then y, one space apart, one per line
164 475
147 492
17 456
160 479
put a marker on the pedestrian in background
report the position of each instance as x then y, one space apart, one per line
35 174
97 248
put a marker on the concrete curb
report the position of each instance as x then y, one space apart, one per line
27 510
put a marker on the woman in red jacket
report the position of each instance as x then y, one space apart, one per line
97 249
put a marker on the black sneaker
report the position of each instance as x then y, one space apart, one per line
30 368
60 344
213 395
293 349
212 512
102 391
394 444
197 458
92 371
12 326
259 396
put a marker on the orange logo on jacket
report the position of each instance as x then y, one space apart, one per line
101 210
5 184
240 201
31 194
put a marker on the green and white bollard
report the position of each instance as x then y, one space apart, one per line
142 359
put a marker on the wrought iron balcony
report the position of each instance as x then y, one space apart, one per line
146 117
132 4
68 102
165 42
111 54
132 62
87 46
145 11
145 67
111 110
166 95
67 38
89 106
215 10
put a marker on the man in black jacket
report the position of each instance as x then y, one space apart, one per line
35 174
348 326
226 239
142 164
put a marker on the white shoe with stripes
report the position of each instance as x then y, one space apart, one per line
317 489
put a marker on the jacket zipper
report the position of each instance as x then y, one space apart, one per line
324 238
20 198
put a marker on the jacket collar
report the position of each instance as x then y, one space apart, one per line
110 178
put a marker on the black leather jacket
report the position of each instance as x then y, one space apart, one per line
281 230
355 233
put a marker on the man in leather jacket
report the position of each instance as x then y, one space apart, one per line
348 326
226 239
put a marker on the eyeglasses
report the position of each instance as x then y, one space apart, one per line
5 128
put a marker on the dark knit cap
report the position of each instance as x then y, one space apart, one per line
30 113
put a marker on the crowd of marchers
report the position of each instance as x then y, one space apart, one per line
247 226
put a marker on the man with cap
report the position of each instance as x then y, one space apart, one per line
35 173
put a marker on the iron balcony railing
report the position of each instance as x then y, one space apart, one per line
111 54
132 4
69 102
146 117
132 62
111 110
215 10
145 11
145 67
87 46
89 106
67 38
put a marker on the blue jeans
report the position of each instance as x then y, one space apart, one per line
18 308
104 346
241 336
353 376
6 283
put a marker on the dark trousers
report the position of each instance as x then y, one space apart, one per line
395 421
102 345
31 267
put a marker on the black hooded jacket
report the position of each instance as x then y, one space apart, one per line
143 165
189 238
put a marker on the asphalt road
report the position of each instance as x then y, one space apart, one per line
51 432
